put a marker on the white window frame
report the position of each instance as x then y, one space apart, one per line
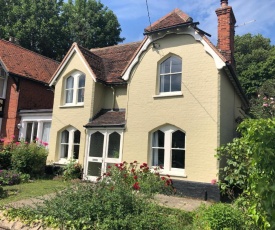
169 93
4 77
167 168
104 159
71 144
31 116
76 77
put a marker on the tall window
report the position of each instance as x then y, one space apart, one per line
69 144
74 89
31 132
168 149
170 75
3 80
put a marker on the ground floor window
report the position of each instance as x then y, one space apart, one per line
104 149
69 144
168 149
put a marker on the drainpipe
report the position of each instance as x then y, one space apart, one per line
113 104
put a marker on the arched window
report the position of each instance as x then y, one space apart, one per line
168 149
170 75
74 89
69 144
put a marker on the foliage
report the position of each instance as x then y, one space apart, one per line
29 158
5 157
219 216
116 201
9 177
250 166
50 27
263 106
2 192
73 170
137 177
255 61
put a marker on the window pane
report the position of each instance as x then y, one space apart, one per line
81 81
94 169
158 157
70 83
77 137
178 139
64 151
176 64
46 132
28 132
165 66
178 159
158 139
176 82
165 83
76 151
96 145
69 96
65 137
114 145
34 131
80 95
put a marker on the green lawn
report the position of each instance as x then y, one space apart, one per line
32 189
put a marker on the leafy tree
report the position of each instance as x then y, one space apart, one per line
91 24
263 106
250 166
255 61
50 27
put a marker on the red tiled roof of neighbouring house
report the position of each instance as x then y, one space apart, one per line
115 59
25 63
107 117
176 17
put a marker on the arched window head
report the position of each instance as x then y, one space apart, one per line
170 75
74 89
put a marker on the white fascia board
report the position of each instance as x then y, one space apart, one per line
127 73
74 50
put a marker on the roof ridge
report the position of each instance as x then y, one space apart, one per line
30 51
107 47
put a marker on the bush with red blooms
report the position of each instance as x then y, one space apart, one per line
137 177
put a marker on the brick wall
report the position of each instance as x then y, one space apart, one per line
29 95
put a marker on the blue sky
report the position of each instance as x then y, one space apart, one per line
133 17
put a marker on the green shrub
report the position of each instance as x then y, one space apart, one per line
5 158
2 192
29 159
9 177
72 170
219 216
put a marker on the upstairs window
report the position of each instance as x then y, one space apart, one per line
170 75
74 89
3 82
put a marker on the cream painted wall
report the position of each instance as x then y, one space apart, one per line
70 116
195 112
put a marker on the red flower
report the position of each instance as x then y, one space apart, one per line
136 186
109 167
142 166
132 170
163 178
135 161
135 177
145 164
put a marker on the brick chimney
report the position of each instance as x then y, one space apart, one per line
226 31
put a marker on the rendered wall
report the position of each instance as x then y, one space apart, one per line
195 112
76 116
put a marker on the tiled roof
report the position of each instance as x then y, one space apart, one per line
22 62
176 17
114 59
107 118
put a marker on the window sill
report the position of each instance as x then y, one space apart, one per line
70 106
171 173
170 94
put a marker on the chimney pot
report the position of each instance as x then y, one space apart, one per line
224 3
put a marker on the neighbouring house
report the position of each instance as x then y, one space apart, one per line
169 100
26 99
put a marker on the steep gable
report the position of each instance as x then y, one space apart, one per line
25 63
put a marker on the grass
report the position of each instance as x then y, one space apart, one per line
32 189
